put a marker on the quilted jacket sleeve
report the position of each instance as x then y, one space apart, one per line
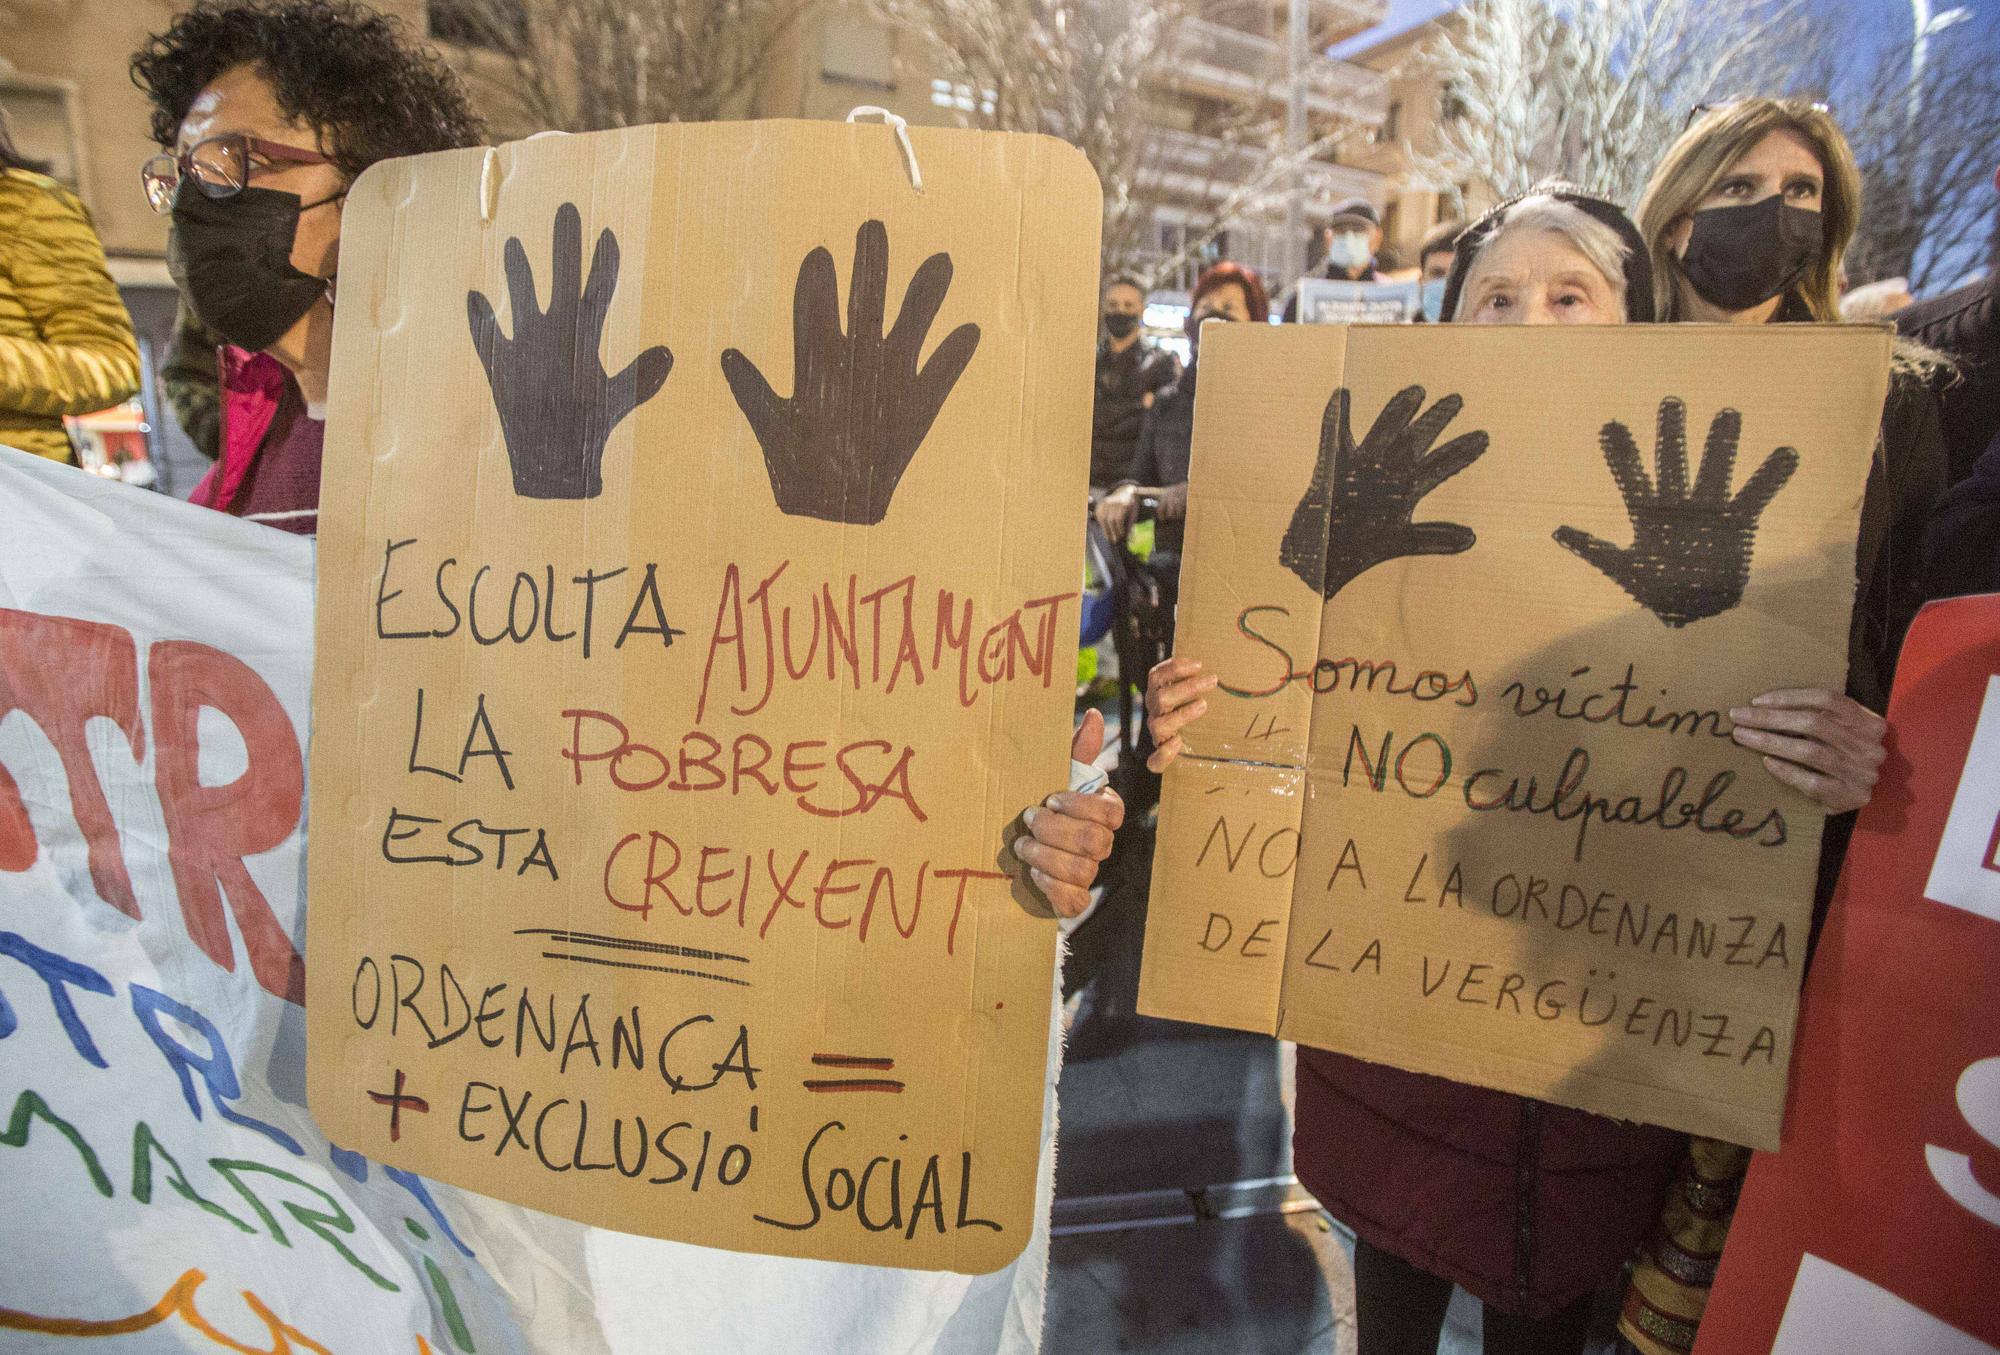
81 355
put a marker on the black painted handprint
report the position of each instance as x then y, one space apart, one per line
1356 513
557 405
859 407
1690 552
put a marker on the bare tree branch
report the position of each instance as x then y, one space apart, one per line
1928 205
585 65
1594 90
1094 72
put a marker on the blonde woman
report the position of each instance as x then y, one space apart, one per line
1747 219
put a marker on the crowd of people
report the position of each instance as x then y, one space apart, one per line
265 111
1777 261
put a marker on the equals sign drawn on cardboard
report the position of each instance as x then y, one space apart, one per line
580 940
857 1062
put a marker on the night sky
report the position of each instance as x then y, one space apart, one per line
1864 28
1865 25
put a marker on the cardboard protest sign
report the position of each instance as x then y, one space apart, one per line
1877 1226
164 1186
1466 801
698 601
1333 301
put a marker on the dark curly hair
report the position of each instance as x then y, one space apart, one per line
352 74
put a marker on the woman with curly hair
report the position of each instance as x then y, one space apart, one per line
268 110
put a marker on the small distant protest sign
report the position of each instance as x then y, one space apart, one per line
1333 301
698 609
1481 600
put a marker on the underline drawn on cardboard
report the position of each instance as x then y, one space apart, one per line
860 407
1356 512
1690 552
675 970
557 404
571 938
399 1101
856 1063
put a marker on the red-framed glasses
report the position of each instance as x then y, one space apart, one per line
220 166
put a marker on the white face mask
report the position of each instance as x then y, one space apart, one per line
1432 294
1348 249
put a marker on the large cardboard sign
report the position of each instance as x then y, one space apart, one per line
1480 601
164 1186
1877 1226
698 603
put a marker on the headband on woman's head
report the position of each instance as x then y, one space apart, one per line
1638 261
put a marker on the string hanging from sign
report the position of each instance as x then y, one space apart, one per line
901 128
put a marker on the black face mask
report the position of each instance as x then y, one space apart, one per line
1739 257
1118 323
1192 327
232 260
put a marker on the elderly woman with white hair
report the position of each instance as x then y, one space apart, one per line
1531 1207
1553 256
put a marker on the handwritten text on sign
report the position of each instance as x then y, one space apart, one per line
1466 801
662 772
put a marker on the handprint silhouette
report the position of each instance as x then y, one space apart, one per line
1356 513
859 408
1690 552
557 405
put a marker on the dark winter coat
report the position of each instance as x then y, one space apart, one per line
1166 446
1962 548
1966 325
1525 1204
1124 380
1893 577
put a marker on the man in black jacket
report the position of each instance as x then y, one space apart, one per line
1962 545
1964 324
1131 371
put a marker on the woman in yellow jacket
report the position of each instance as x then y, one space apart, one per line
66 344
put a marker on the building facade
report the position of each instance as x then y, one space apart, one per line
1417 105
64 85
1209 186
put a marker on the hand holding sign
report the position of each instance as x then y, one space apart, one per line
557 405
859 407
1690 553
1361 497
1070 834
1823 744
1176 692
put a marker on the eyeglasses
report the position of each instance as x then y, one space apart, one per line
1695 113
221 167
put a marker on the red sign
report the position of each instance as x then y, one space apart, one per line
1877 1227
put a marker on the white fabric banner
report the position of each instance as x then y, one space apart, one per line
163 1185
